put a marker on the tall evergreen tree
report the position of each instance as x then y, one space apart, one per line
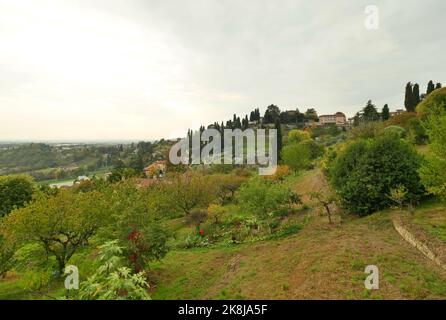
430 87
385 114
238 123
416 95
279 139
369 113
408 99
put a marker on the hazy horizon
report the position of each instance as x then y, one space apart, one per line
77 70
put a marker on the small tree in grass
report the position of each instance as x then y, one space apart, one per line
61 224
325 200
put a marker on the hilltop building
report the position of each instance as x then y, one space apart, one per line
338 119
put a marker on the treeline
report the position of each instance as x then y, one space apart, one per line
271 116
412 98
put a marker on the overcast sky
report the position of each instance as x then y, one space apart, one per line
141 69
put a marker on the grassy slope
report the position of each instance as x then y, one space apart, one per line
431 217
321 261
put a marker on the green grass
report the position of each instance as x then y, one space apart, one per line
431 217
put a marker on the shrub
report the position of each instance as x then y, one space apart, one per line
281 173
189 190
429 105
367 170
297 136
315 149
226 185
6 256
296 156
402 120
215 213
397 131
262 197
433 173
112 280
417 134
134 215
366 130
196 217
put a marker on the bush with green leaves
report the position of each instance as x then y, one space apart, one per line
6 256
366 171
433 173
430 105
134 215
113 280
297 156
263 197
15 192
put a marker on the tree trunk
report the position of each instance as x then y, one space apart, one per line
327 208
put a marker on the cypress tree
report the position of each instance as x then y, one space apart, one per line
416 95
408 99
385 114
430 87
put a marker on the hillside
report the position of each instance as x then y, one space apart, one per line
319 262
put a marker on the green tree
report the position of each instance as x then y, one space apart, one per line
298 136
188 191
367 170
416 95
430 87
433 174
369 113
15 192
134 215
61 224
385 114
272 114
438 86
262 197
297 156
311 115
409 102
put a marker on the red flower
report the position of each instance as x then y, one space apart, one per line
201 232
